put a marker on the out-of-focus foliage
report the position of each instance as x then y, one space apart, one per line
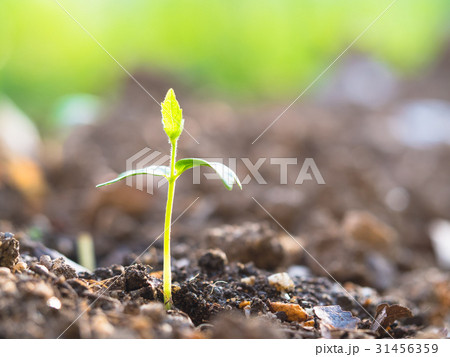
245 48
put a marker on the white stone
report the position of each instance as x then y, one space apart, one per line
281 281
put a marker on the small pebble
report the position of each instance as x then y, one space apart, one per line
244 303
4 271
20 267
299 271
154 310
54 303
281 281
40 269
247 311
250 280
8 288
309 323
294 312
166 328
46 261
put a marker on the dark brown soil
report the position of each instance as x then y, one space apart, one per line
45 298
368 227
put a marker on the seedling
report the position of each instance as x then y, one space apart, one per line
173 123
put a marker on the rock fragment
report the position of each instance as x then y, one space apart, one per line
294 312
281 281
333 316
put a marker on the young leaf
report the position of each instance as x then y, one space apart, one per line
172 116
225 173
151 170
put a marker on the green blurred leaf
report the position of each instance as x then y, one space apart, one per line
234 50
227 175
172 116
151 170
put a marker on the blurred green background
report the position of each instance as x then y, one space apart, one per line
242 49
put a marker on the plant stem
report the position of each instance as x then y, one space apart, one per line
167 275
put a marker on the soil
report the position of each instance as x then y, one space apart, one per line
352 258
212 298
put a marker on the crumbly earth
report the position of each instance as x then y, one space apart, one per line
212 298
369 226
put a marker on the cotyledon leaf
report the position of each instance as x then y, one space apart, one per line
227 175
150 170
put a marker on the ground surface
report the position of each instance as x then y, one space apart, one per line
47 298
368 226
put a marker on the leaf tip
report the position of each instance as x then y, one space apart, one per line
170 93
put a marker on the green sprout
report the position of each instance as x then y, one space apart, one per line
173 123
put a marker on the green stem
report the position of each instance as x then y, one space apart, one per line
167 275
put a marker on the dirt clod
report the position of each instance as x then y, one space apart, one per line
254 242
60 268
136 278
213 261
9 250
